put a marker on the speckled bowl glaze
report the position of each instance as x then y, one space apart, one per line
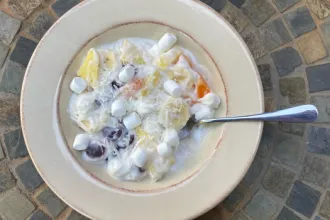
226 151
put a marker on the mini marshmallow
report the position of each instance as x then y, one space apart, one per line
126 74
170 136
204 113
81 142
164 149
78 85
139 157
132 121
172 88
196 108
118 108
211 100
166 42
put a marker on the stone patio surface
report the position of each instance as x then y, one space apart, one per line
290 176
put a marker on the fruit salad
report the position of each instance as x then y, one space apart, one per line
131 98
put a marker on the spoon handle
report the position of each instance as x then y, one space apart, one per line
302 114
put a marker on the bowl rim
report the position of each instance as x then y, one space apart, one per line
85 3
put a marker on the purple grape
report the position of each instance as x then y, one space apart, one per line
112 133
141 169
97 102
131 139
94 150
116 85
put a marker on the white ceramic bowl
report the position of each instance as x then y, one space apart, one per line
226 152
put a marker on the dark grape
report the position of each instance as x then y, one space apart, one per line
116 85
95 150
131 139
112 133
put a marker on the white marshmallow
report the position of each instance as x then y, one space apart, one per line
126 74
118 108
117 168
196 108
139 157
172 88
78 85
211 100
81 142
132 121
166 42
204 113
170 136
164 149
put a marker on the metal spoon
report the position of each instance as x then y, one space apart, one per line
300 114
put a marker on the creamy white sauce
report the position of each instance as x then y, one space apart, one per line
150 104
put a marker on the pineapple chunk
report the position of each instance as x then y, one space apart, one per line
89 69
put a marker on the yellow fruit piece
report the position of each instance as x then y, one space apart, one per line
129 52
168 58
92 72
110 60
90 67
145 92
153 79
174 113
140 133
139 60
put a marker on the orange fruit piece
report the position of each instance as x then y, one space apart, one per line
202 89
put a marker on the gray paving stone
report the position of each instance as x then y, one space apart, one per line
234 198
264 71
2 154
7 180
235 17
239 216
15 206
40 24
320 7
318 218
237 3
293 128
294 88
322 104
300 21
318 77
311 47
278 180
318 140
325 207
263 206
286 60
255 43
8 28
3 53
62 6
53 204
12 78
315 170
28 175
254 172
76 216
23 51
258 11
15 144
39 215
282 5
288 150
9 111
303 199
217 5
287 214
267 140
23 8
275 34
325 27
